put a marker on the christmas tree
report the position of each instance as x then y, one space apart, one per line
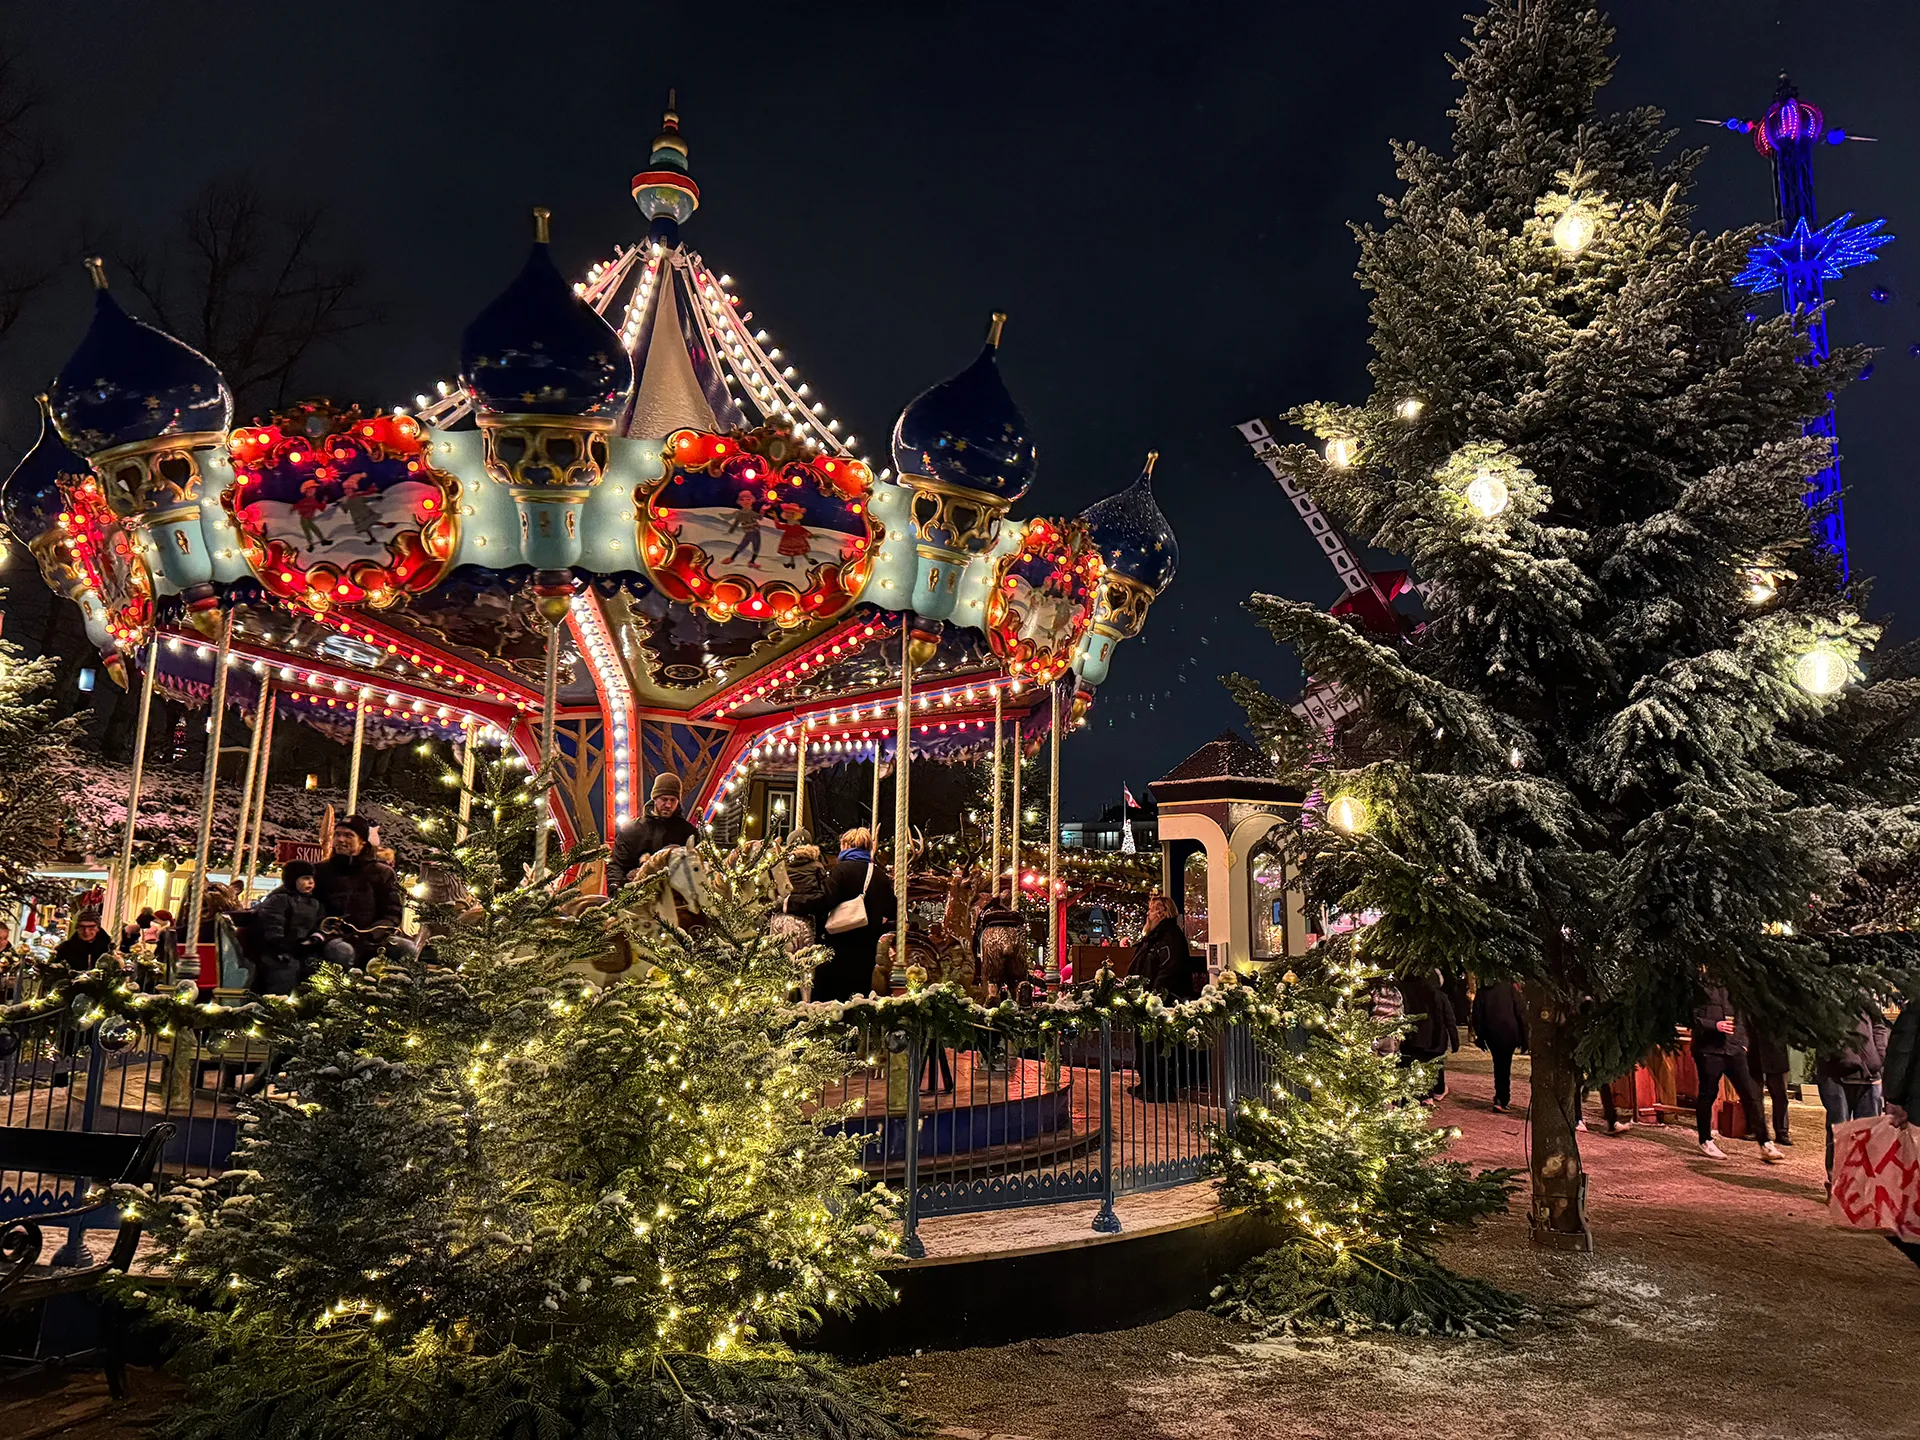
36 766
1631 750
489 1197
1342 1153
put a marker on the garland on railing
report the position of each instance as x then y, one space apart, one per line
113 989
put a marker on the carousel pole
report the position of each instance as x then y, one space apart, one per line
800 781
133 787
203 847
264 717
1054 916
253 770
359 748
1014 835
903 749
466 781
999 721
874 823
550 703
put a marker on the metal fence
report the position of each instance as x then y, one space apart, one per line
997 1123
112 1079
1000 1123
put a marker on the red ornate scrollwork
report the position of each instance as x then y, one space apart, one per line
1041 599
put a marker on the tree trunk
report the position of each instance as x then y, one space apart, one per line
1558 1212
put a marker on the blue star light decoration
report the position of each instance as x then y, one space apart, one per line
1823 254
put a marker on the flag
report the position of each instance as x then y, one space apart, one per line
1132 804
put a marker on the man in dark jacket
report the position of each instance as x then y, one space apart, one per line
86 945
1768 1060
287 926
1900 1081
1720 1049
1500 1028
1163 960
1849 1077
359 892
661 828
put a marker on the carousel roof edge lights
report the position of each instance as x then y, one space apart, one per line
630 458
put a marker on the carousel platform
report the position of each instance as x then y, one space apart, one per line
998 1276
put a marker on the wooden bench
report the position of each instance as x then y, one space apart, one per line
96 1161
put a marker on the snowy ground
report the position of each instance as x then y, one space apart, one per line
1720 1303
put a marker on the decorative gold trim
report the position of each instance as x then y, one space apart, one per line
165 470
1120 606
951 522
546 452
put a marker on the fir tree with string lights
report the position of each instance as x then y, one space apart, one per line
489 1196
1641 744
1342 1153
37 763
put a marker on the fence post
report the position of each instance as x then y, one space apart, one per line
911 1245
1106 1222
1238 1039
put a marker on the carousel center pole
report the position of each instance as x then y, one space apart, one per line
1013 836
999 734
800 780
264 716
874 823
203 848
133 788
550 703
466 782
1055 917
359 748
903 749
253 769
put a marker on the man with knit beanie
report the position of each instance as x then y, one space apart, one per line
661 828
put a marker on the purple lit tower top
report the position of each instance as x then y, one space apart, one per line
1801 258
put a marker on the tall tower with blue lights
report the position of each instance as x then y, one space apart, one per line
1801 258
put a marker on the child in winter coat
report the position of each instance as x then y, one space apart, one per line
288 925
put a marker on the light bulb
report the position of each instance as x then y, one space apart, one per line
1821 671
1341 451
1761 586
1487 493
1410 408
1572 231
1348 815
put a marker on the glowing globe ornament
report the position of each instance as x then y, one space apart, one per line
1347 814
1821 671
1487 494
1409 409
1342 451
1573 231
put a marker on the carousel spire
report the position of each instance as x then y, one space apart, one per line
665 191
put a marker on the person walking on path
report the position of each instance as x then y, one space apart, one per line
1849 1078
1499 1021
1720 1049
1767 1059
1435 1030
854 875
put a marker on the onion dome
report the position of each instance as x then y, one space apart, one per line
967 432
130 382
31 496
1132 536
539 349
665 191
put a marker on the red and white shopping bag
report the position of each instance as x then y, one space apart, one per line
1876 1177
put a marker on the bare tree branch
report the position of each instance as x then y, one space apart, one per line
25 161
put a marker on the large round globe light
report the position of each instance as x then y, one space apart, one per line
1572 231
1487 493
1821 671
1347 814
1342 451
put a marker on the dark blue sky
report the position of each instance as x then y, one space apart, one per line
1160 203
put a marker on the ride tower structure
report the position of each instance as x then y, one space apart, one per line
1800 259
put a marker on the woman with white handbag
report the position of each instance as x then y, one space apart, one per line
858 908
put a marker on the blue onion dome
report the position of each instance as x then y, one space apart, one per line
1132 536
539 349
129 382
32 497
968 432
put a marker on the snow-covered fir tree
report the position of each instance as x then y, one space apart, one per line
37 762
491 1197
1642 742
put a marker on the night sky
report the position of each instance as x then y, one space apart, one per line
1159 204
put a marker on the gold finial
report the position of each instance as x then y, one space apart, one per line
994 327
541 215
97 271
673 105
1152 457
45 402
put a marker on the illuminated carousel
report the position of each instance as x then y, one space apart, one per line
627 539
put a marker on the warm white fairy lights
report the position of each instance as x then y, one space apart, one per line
616 704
